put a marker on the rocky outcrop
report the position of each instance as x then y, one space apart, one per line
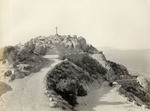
134 92
82 43
114 71
144 82
101 59
23 61
55 44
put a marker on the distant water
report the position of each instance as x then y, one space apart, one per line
136 61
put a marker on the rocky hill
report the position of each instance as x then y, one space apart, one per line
82 66
57 44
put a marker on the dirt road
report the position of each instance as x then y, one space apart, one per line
28 93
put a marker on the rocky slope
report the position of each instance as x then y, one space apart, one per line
83 66
27 58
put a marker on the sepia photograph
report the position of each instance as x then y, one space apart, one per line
74 55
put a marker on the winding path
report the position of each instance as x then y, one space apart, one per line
28 93
106 99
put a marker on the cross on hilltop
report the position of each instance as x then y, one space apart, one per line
56 31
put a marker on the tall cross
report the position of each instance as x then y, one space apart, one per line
56 30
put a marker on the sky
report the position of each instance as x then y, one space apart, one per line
121 24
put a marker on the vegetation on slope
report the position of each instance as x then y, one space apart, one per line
70 78
23 61
87 63
117 72
135 92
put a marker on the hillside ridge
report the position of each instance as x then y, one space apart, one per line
88 66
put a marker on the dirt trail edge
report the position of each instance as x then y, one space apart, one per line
28 93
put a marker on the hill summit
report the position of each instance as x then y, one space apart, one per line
55 43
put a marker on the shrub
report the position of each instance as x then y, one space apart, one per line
12 77
132 89
24 56
69 77
30 46
88 63
110 84
66 79
8 73
67 88
10 54
81 91
117 72
40 50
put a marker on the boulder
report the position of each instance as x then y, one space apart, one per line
8 73
68 44
54 104
75 43
101 59
50 99
82 42
144 106
143 82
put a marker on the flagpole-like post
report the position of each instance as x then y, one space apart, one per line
56 30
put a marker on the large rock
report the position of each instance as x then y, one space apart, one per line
144 82
75 43
68 44
8 73
82 42
53 104
101 59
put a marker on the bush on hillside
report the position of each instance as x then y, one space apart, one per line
29 46
117 72
63 51
8 73
25 56
133 88
68 80
88 63
40 50
10 54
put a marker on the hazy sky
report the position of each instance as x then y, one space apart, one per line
123 24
